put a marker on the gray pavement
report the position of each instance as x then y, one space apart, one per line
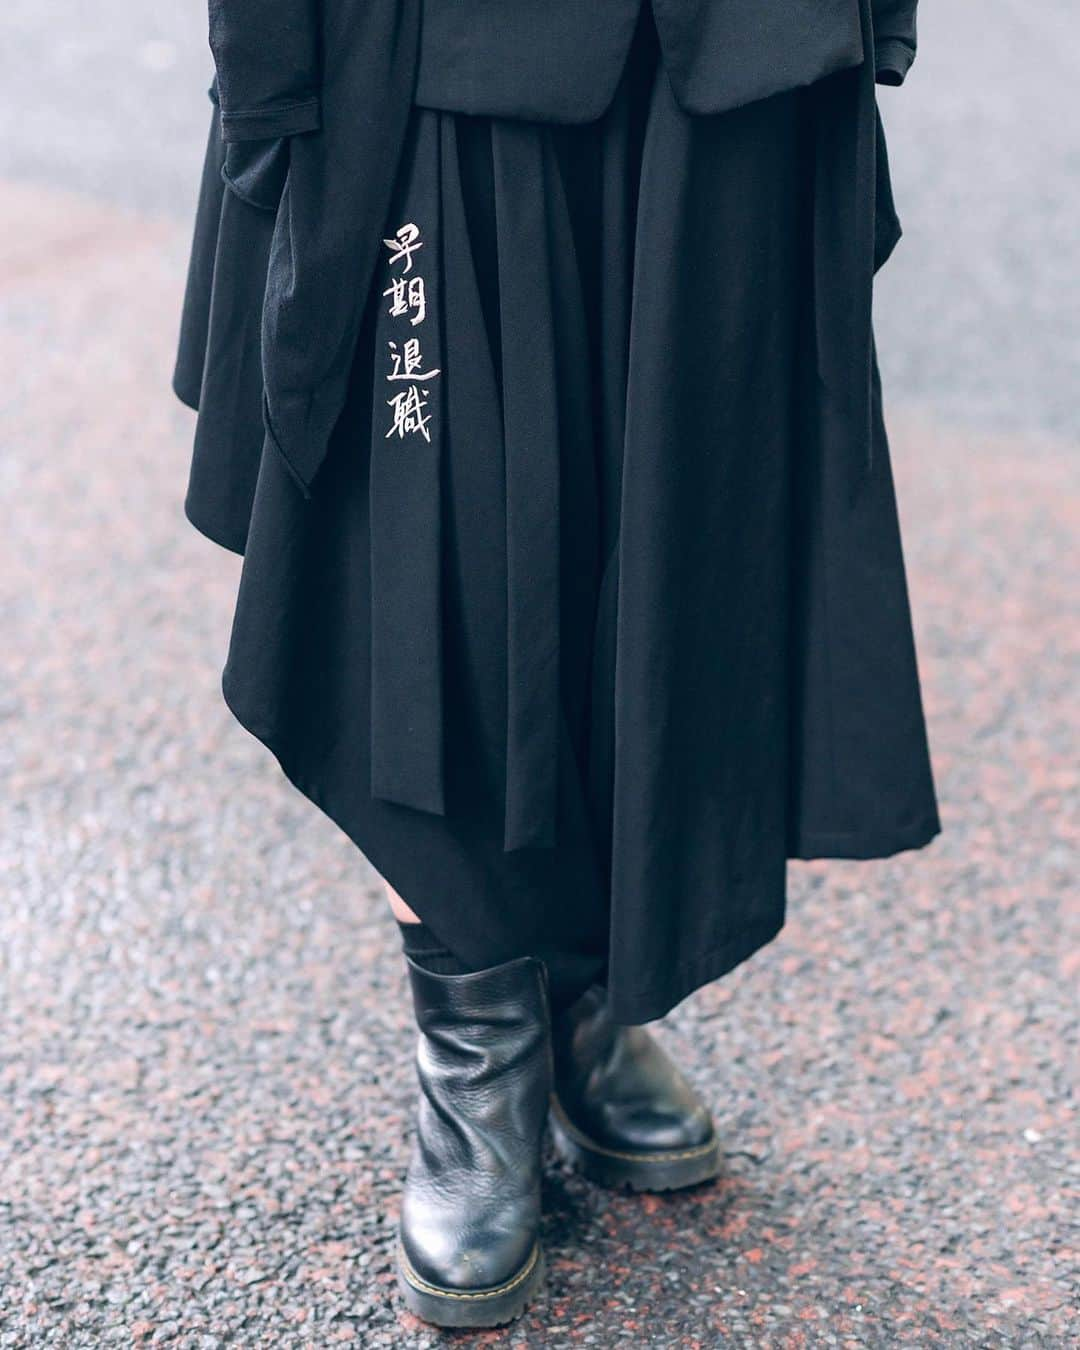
204 1073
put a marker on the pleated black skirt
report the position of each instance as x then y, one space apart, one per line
583 631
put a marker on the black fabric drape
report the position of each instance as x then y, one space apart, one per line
616 620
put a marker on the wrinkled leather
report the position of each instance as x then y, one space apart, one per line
617 1085
471 1209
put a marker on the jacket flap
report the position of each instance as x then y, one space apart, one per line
722 55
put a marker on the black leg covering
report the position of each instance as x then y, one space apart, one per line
422 946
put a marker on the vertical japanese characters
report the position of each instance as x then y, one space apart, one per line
410 401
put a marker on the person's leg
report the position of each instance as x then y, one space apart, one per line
420 944
399 908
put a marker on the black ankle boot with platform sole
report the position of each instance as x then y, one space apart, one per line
469 1252
621 1113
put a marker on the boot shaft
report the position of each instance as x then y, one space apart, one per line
484 1057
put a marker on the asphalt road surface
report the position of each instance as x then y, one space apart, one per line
205 1083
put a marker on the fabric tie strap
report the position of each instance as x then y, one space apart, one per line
405 493
508 405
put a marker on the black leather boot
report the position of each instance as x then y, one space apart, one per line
621 1112
470 1218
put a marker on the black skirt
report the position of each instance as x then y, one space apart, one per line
594 617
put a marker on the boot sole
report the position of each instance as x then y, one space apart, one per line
481 1308
664 1170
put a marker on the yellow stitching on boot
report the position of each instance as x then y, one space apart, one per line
424 1288
671 1155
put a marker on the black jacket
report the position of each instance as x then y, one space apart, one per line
560 60
552 60
315 96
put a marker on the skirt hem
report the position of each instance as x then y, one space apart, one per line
648 1003
690 976
684 979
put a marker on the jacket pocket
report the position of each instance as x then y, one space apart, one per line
254 170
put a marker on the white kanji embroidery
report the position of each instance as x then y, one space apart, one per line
408 406
406 242
408 299
405 364
409 295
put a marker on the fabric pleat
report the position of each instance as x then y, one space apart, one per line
531 444
218 367
844 153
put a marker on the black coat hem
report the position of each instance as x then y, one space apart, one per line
222 538
864 845
225 539
188 397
